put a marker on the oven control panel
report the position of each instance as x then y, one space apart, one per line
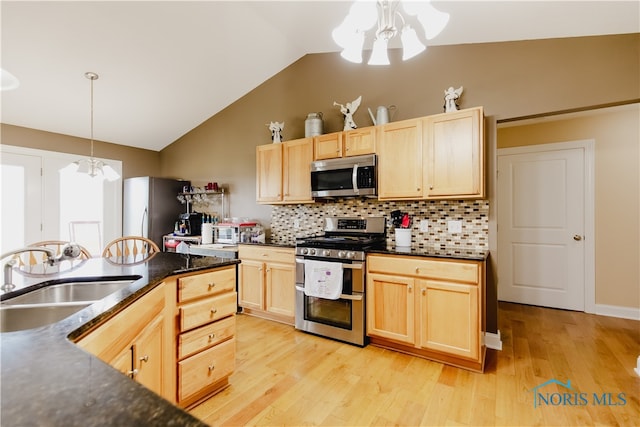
330 253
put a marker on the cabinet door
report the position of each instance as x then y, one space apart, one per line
391 308
327 146
147 356
454 154
399 149
450 318
297 155
269 173
280 289
360 141
251 284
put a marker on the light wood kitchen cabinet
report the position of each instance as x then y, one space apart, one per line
399 147
434 157
136 342
454 154
328 146
266 283
269 173
283 172
354 142
206 307
429 307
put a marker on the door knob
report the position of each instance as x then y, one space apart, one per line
577 237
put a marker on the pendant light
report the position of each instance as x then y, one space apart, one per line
93 167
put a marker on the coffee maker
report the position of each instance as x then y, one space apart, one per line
188 224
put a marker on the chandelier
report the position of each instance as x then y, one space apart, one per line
92 166
364 14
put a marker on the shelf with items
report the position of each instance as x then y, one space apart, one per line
207 199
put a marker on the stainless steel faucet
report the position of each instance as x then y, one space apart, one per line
69 251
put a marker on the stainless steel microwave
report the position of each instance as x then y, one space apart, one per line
345 177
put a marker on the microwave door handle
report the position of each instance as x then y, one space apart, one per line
354 179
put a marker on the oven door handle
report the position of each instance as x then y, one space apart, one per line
351 266
342 296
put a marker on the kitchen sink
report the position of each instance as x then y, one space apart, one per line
69 292
53 303
21 317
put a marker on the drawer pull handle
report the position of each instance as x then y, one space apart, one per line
132 373
211 367
211 285
214 310
211 336
144 358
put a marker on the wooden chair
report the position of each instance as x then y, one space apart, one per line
130 250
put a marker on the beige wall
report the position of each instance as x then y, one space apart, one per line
511 79
135 161
616 132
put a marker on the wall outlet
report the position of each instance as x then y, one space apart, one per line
454 227
424 225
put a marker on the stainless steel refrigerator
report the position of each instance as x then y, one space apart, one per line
150 206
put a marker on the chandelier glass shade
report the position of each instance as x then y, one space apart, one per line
351 34
93 167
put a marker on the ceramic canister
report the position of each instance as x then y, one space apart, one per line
313 125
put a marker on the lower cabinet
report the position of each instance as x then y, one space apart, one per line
266 282
429 307
177 340
136 342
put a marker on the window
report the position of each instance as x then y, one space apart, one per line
39 201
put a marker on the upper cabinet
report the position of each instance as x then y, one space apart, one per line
400 160
454 154
283 172
354 142
435 157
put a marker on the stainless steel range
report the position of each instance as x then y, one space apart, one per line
330 278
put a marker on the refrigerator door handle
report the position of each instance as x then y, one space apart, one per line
144 214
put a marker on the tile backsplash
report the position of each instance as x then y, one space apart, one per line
289 222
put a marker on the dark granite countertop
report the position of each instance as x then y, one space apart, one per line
271 243
48 380
434 252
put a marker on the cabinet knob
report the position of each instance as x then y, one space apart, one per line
211 336
431 187
417 269
410 288
418 189
211 285
211 367
214 310
577 237
132 373
144 358
424 291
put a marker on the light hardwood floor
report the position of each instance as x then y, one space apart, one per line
287 377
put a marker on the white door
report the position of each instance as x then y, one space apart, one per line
541 226
21 186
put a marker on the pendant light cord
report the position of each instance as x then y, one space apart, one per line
91 76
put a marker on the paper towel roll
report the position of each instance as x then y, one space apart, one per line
207 233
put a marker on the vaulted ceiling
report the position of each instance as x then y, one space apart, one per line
166 66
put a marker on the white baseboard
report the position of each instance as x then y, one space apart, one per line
492 340
618 311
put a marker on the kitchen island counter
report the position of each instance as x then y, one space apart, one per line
48 380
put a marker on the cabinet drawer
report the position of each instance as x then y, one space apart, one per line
267 254
206 336
460 271
200 313
205 368
206 284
